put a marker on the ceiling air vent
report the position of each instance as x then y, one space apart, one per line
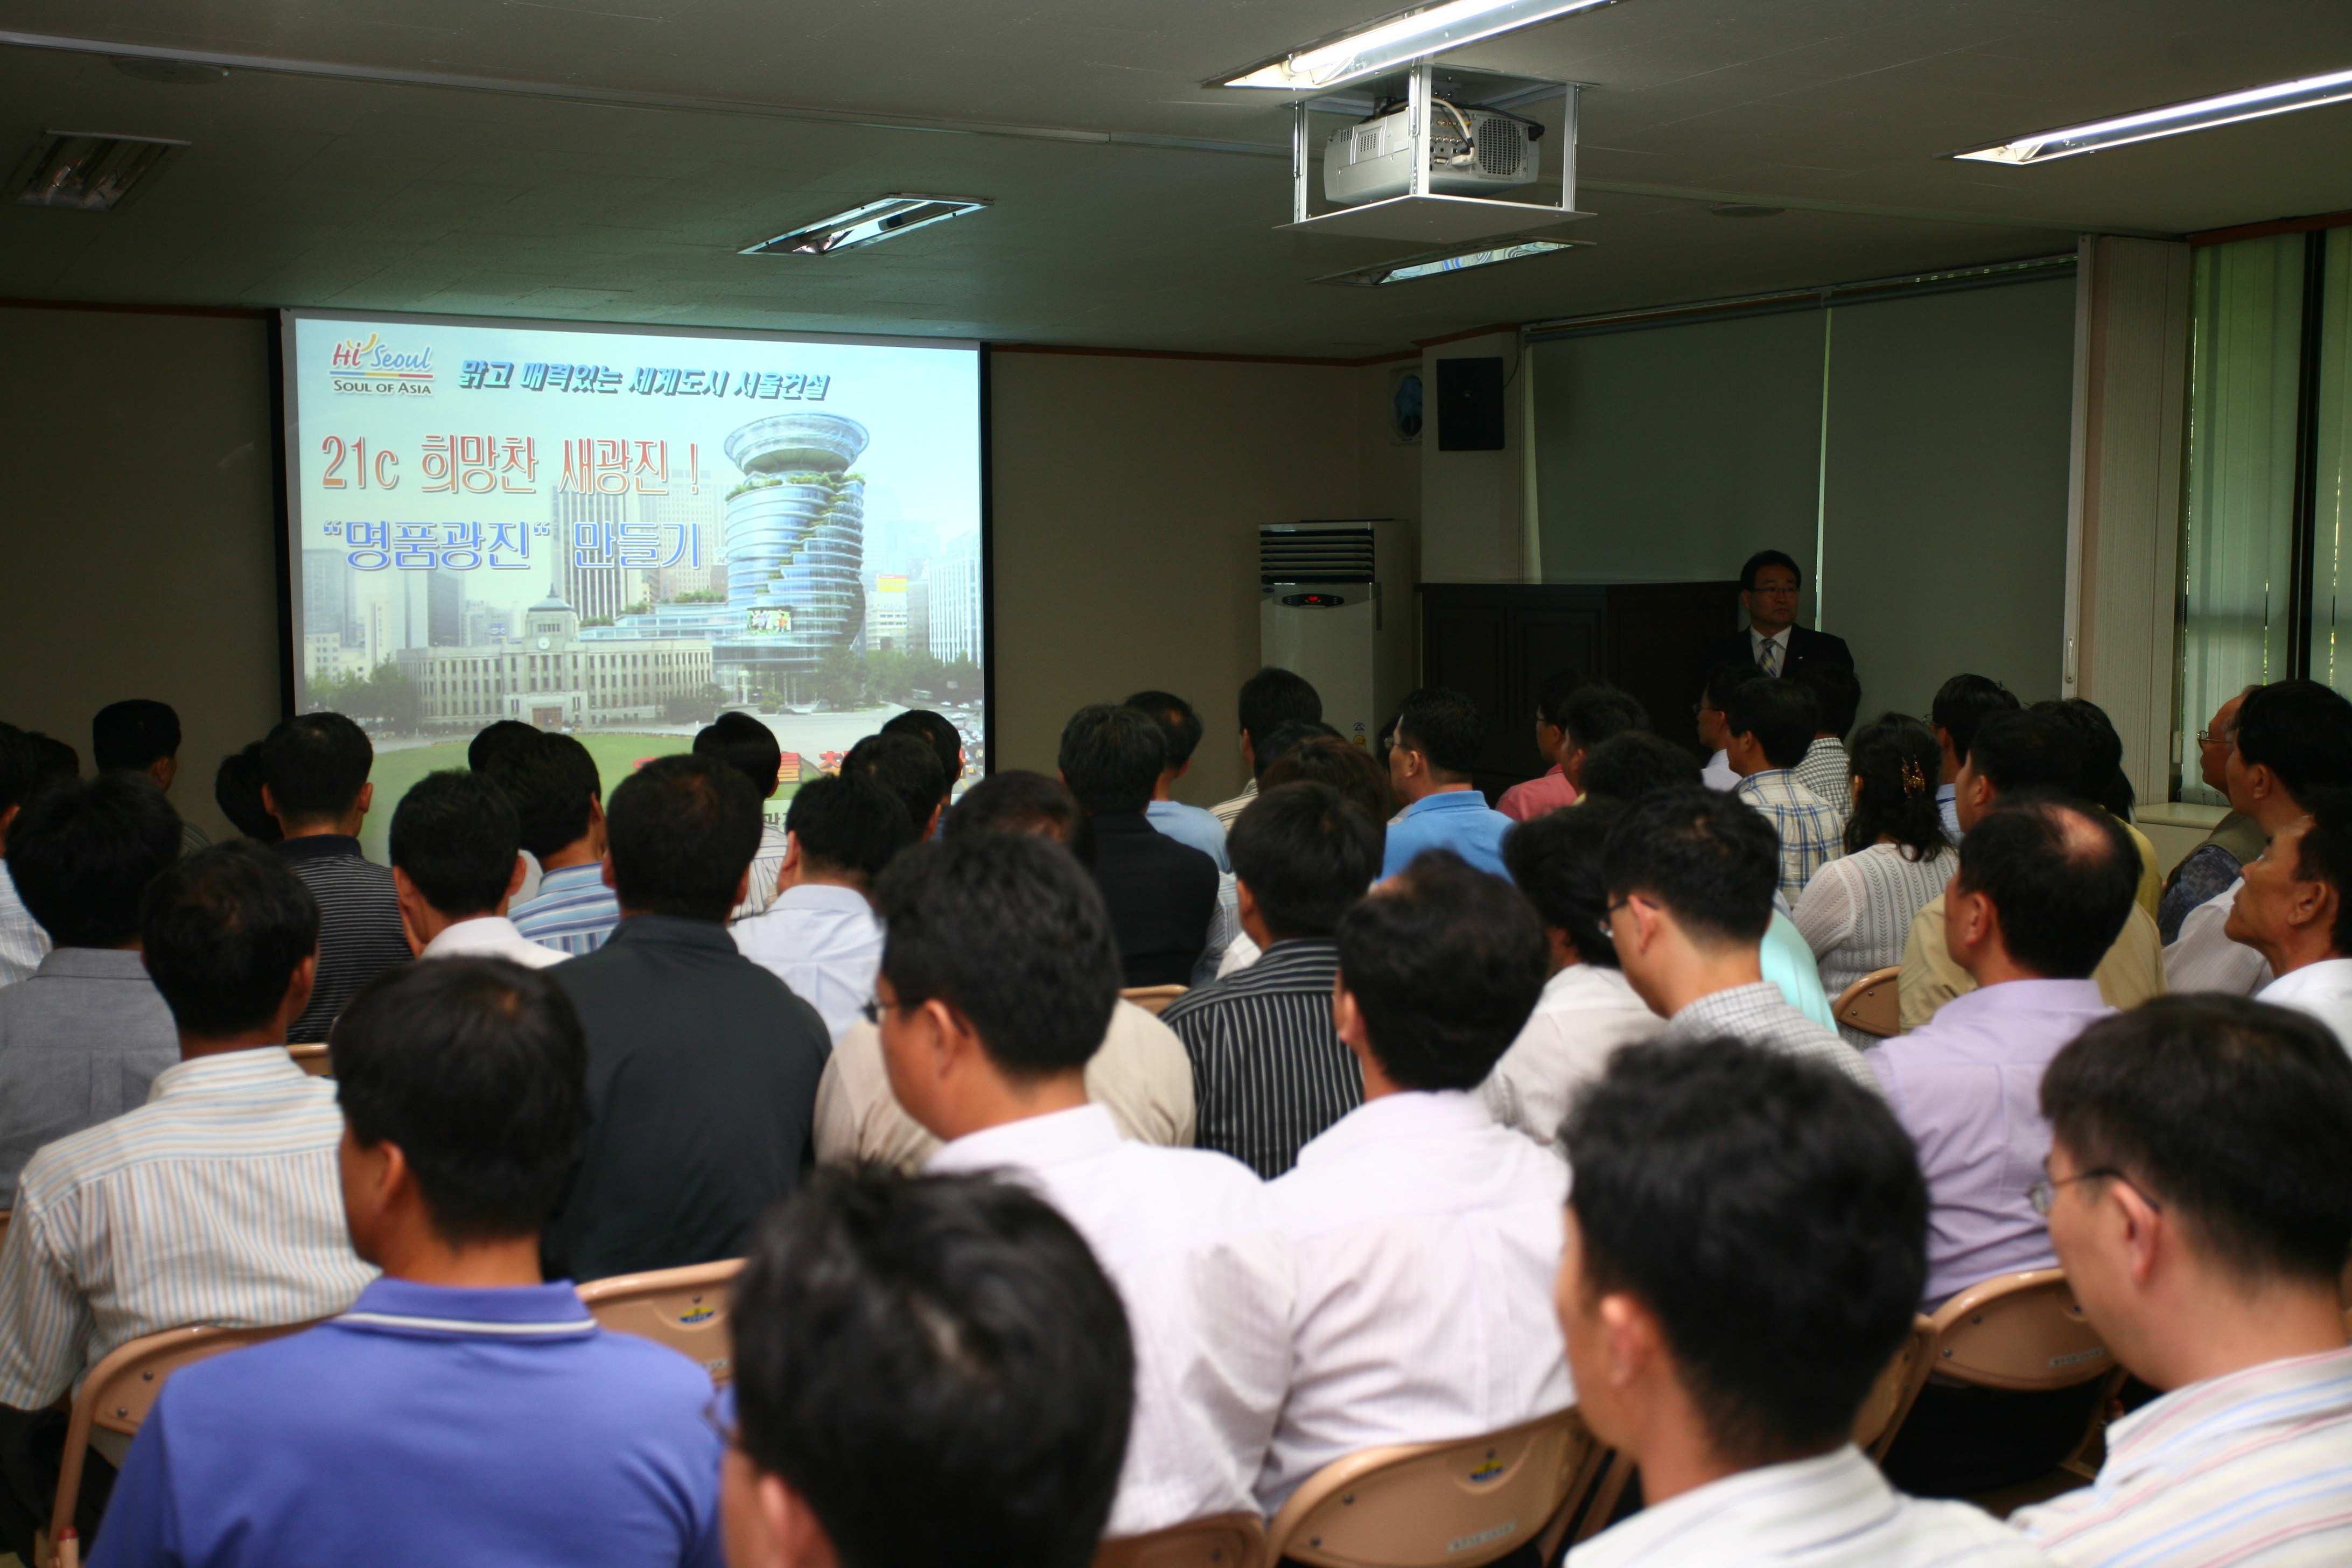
1293 553
89 170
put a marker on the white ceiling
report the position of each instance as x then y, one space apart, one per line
551 183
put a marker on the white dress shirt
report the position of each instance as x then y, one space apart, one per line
491 936
1427 1239
2203 959
1834 1511
2323 990
1586 1012
824 942
1186 1236
22 942
1719 774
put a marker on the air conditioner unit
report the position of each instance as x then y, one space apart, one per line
1471 152
1335 605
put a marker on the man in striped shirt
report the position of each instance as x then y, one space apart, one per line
314 781
560 801
1771 723
215 1202
2199 1197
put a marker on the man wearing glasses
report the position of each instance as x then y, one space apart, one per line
2212 866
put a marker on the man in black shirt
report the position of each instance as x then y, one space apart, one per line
314 781
702 1066
1162 893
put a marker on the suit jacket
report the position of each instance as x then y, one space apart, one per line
1161 894
1806 646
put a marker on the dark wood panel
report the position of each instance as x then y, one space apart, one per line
1656 630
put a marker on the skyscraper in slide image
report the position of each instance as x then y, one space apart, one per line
796 547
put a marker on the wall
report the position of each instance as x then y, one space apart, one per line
1472 528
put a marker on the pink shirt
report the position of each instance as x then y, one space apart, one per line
1525 802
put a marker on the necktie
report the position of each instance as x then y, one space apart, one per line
1771 659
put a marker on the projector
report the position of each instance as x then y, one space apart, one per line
1471 152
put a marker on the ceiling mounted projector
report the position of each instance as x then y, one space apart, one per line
1470 152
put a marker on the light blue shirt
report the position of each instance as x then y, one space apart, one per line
822 940
1192 824
1789 965
1459 820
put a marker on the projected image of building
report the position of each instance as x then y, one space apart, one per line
796 547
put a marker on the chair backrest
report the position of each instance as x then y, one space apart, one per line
1220 1540
1435 1505
1152 999
2022 1331
312 1059
685 1308
3 1226
1890 1397
1872 1003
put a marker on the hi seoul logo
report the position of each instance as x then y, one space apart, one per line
371 365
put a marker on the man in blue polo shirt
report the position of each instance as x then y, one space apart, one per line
461 1410
1438 740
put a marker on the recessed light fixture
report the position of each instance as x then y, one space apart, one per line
1429 264
89 170
879 219
1743 209
1397 39
2172 119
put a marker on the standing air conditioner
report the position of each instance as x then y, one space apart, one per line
1323 614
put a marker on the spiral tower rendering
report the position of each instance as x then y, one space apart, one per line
795 546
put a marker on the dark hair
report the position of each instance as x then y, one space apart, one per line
1179 725
1636 765
1965 702
2324 855
1555 690
552 780
236 790
848 826
1555 861
1287 738
1896 758
1598 713
938 1367
1112 758
1722 681
682 831
1445 964
906 766
477 1070
1346 767
53 760
1012 933
1441 724
1836 694
134 734
83 851
20 772
2234 1113
1274 697
1308 853
2062 902
1018 801
223 932
494 738
2299 730
2103 782
2029 750
1707 857
315 766
745 744
935 730
1770 1213
454 835
1761 560
1783 715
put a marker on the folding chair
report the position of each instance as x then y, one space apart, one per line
115 1397
1440 1505
3 1226
2026 1334
1890 1397
1152 999
312 1059
1872 1004
685 1308
1220 1540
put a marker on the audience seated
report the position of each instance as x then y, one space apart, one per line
1770 581
1771 723
2199 1197
1961 704
2010 752
463 1409
1437 742
1858 908
2294 907
1731 1369
1826 771
2213 865
938 731
930 1371
1590 716
998 977
23 943
214 1201
750 747
2042 889
1714 734
314 781
560 806
84 1036
142 736
236 790
2106 785
1161 892
489 742
456 862
1689 876
1269 1072
702 1067
1530 798
1269 699
1586 1009
1180 727
820 936
1424 1237
908 767
1317 758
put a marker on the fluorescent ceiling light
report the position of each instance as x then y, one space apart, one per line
1396 39
2172 119
87 170
877 220
1430 264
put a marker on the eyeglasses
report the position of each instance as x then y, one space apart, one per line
2217 737
2043 1194
873 1007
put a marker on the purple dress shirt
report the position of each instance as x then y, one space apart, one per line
1968 1087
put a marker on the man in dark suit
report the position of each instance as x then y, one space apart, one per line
1773 641
1161 892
